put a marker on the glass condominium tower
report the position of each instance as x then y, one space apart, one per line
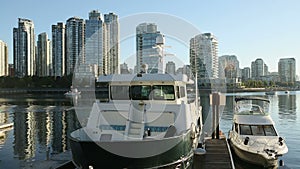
74 43
94 55
112 43
147 52
58 49
287 70
24 48
204 56
102 46
44 58
3 59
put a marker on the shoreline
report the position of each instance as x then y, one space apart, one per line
64 90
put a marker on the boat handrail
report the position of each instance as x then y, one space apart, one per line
237 99
251 109
254 143
144 113
129 112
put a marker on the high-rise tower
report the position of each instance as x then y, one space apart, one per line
74 43
94 55
24 48
258 69
44 59
3 59
112 43
147 52
287 70
58 49
204 56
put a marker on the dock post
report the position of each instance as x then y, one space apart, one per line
216 100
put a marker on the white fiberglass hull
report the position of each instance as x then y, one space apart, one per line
260 151
254 158
123 154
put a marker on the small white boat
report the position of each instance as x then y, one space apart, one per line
73 92
253 136
271 92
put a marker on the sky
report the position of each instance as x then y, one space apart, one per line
267 29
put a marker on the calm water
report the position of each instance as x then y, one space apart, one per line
42 121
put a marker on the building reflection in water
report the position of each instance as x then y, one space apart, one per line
3 120
38 131
24 134
287 107
229 108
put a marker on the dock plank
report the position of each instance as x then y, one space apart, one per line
217 155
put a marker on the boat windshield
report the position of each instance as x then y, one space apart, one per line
142 92
155 92
257 130
252 108
119 92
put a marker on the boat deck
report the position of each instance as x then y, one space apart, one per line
218 155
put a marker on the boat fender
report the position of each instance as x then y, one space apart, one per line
246 141
280 139
281 163
149 132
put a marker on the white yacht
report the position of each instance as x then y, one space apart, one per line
147 121
253 136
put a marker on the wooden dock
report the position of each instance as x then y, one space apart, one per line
217 155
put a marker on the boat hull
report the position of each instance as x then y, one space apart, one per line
253 158
89 153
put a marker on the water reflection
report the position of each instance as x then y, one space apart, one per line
40 130
287 107
40 123
3 132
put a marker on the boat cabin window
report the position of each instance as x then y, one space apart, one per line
245 130
257 130
101 92
156 92
270 131
140 92
119 92
163 92
182 91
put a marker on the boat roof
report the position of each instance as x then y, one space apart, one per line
237 99
145 77
253 119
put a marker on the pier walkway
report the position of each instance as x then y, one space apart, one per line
217 155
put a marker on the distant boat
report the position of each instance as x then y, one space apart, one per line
253 136
73 92
271 92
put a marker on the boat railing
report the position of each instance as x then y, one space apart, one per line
267 144
250 109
